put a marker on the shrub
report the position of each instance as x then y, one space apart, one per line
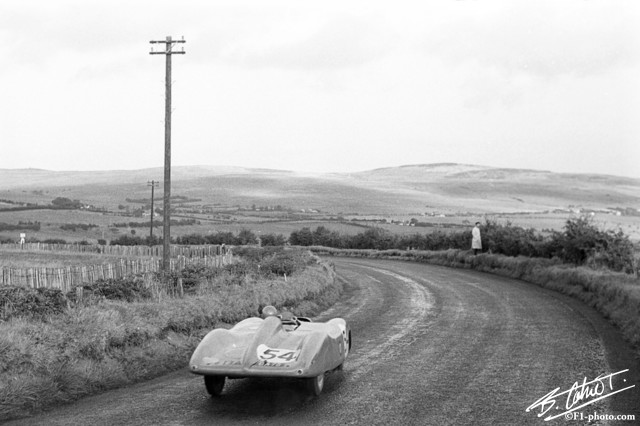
30 303
583 243
273 240
55 241
127 240
74 226
280 264
191 239
268 261
191 275
245 237
129 289
303 237
510 240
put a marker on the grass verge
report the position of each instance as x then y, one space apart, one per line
87 349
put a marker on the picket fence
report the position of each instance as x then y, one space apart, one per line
151 251
67 278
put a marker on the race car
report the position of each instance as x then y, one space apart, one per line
278 345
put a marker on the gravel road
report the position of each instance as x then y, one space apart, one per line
431 346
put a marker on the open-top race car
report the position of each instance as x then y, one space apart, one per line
276 346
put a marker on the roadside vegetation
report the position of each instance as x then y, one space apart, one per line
598 267
56 347
580 242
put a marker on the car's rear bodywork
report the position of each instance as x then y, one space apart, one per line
272 347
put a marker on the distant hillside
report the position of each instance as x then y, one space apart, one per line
406 189
28 178
484 188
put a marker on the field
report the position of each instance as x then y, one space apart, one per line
439 196
52 220
15 258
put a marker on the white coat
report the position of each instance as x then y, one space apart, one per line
476 241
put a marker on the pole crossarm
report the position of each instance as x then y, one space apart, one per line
169 42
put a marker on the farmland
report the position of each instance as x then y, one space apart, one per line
222 199
16 258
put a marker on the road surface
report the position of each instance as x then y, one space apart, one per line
431 346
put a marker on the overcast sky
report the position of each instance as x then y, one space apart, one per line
323 86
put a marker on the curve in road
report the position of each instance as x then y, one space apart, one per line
432 346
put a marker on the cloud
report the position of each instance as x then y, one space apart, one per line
337 42
543 39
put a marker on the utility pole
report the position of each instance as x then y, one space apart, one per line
152 184
166 222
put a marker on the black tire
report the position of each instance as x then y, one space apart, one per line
315 384
214 384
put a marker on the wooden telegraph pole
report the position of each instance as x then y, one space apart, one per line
166 223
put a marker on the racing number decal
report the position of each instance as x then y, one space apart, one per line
277 356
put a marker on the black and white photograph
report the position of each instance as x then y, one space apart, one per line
320 212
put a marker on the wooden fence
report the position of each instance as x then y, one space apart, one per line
68 277
176 250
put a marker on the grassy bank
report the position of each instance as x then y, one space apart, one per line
615 295
112 343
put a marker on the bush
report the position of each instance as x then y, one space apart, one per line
31 303
303 237
271 260
273 240
280 264
127 240
582 243
55 241
129 289
74 226
510 240
191 275
246 237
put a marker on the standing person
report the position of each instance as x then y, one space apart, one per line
476 240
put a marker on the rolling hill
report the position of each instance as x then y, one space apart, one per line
397 190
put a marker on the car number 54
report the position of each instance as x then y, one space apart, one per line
275 355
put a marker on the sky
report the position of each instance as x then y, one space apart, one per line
322 86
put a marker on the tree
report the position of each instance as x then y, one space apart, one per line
245 237
65 203
273 240
321 236
303 237
583 243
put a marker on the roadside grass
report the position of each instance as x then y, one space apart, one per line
112 343
615 295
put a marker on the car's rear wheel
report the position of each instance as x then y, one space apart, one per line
315 384
214 384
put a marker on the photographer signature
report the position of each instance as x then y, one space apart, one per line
583 394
